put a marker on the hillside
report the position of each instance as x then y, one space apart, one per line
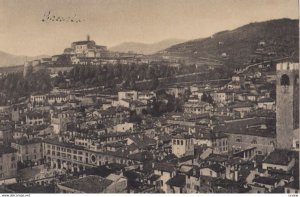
249 43
7 59
142 48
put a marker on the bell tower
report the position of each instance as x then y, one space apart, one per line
287 103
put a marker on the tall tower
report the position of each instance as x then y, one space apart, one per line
287 103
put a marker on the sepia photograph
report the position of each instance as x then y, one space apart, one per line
149 96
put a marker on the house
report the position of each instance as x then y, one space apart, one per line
93 184
146 97
242 108
141 141
292 187
131 95
192 180
60 119
118 115
176 184
266 103
36 118
8 163
5 134
57 98
249 132
38 99
213 170
269 183
28 150
134 105
176 91
223 97
238 78
182 145
218 141
166 171
197 108
279 159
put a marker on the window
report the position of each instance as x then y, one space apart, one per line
181 142
238 139
285 80
0 167
174 142
188 186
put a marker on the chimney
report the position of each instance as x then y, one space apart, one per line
88 37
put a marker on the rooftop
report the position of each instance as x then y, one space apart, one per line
278 157
265 180
89 184
177 181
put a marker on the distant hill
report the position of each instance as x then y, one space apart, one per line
7 59
274 38
143 48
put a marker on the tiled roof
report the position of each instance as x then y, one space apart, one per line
165 167
265 180
177 181
278 157
89 184
247 126
215 167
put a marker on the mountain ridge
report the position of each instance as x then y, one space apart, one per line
7 59
145 48
280 37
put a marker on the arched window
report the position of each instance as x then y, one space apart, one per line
285 80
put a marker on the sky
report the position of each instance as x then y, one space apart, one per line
111 22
